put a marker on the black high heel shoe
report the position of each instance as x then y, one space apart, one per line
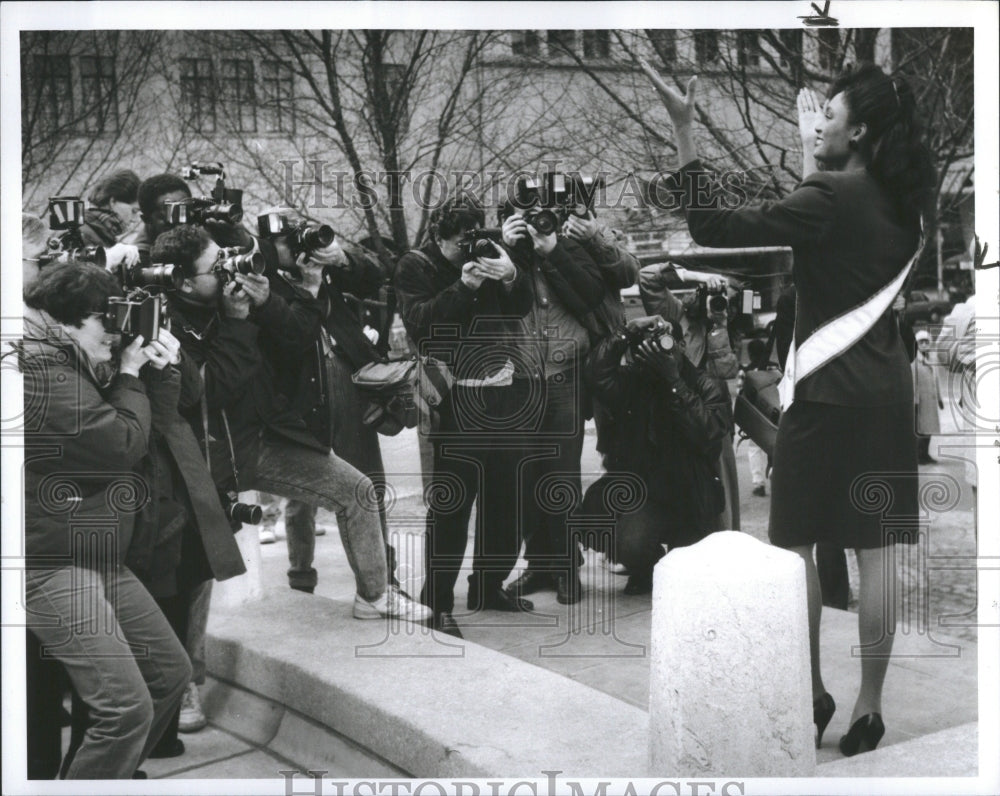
863 736
823 710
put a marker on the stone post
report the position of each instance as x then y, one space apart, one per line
247 587
729 684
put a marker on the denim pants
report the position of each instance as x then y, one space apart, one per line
121 655
201 599
321 480
356 444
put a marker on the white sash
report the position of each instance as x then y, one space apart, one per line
837 335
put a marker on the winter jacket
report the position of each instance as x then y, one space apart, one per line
339 330
84 445
670 435
926 395
446 318
237 355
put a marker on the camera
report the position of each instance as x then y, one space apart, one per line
249 513
232 261
476 243
223 204
302 238
66 216
137 313
552 199
143 308
657 333
82 254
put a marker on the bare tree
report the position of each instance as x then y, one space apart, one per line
83 97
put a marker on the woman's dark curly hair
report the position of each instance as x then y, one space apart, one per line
69 292
898 158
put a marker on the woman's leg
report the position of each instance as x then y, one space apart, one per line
876 625
814 599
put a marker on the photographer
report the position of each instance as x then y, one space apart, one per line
84 449
568 290
319 379
443 287
225 320
671 422
114 205
706 345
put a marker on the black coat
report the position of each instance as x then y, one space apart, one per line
670 435
441 314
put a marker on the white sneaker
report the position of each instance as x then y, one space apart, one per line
266 535
393 603
192 718
321 530
279 530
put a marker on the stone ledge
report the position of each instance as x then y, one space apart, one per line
426 703
949 753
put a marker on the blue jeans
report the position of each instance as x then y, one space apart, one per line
357 445
326 481
121 655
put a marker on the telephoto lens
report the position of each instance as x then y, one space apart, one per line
160 275
86 254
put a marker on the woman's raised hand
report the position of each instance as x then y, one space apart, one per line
679 106
810 107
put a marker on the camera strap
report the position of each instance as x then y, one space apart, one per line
207 437
839 334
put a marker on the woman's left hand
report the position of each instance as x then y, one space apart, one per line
679 106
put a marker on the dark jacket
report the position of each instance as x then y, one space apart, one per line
848 242
239 377
100 227
619 269
444 317
670 435
339 329
84 444
185 499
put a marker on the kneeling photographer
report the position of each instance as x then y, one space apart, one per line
671 422
87 445
226 317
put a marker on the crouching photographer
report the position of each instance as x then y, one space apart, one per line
226 317
671 421
86 443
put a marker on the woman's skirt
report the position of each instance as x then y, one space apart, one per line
844 475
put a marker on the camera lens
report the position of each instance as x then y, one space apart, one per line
249 513
168 276
312 238
718 303
545 221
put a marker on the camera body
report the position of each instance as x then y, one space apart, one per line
66 216
302 238
476 243
657 333
236 512
549 201
222 204
143 308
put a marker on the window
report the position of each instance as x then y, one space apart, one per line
706 46
791 46
747 48
524 43
829 48
665 44
100 93
278 88
596 43
239 96
51 97
561 42
198 93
